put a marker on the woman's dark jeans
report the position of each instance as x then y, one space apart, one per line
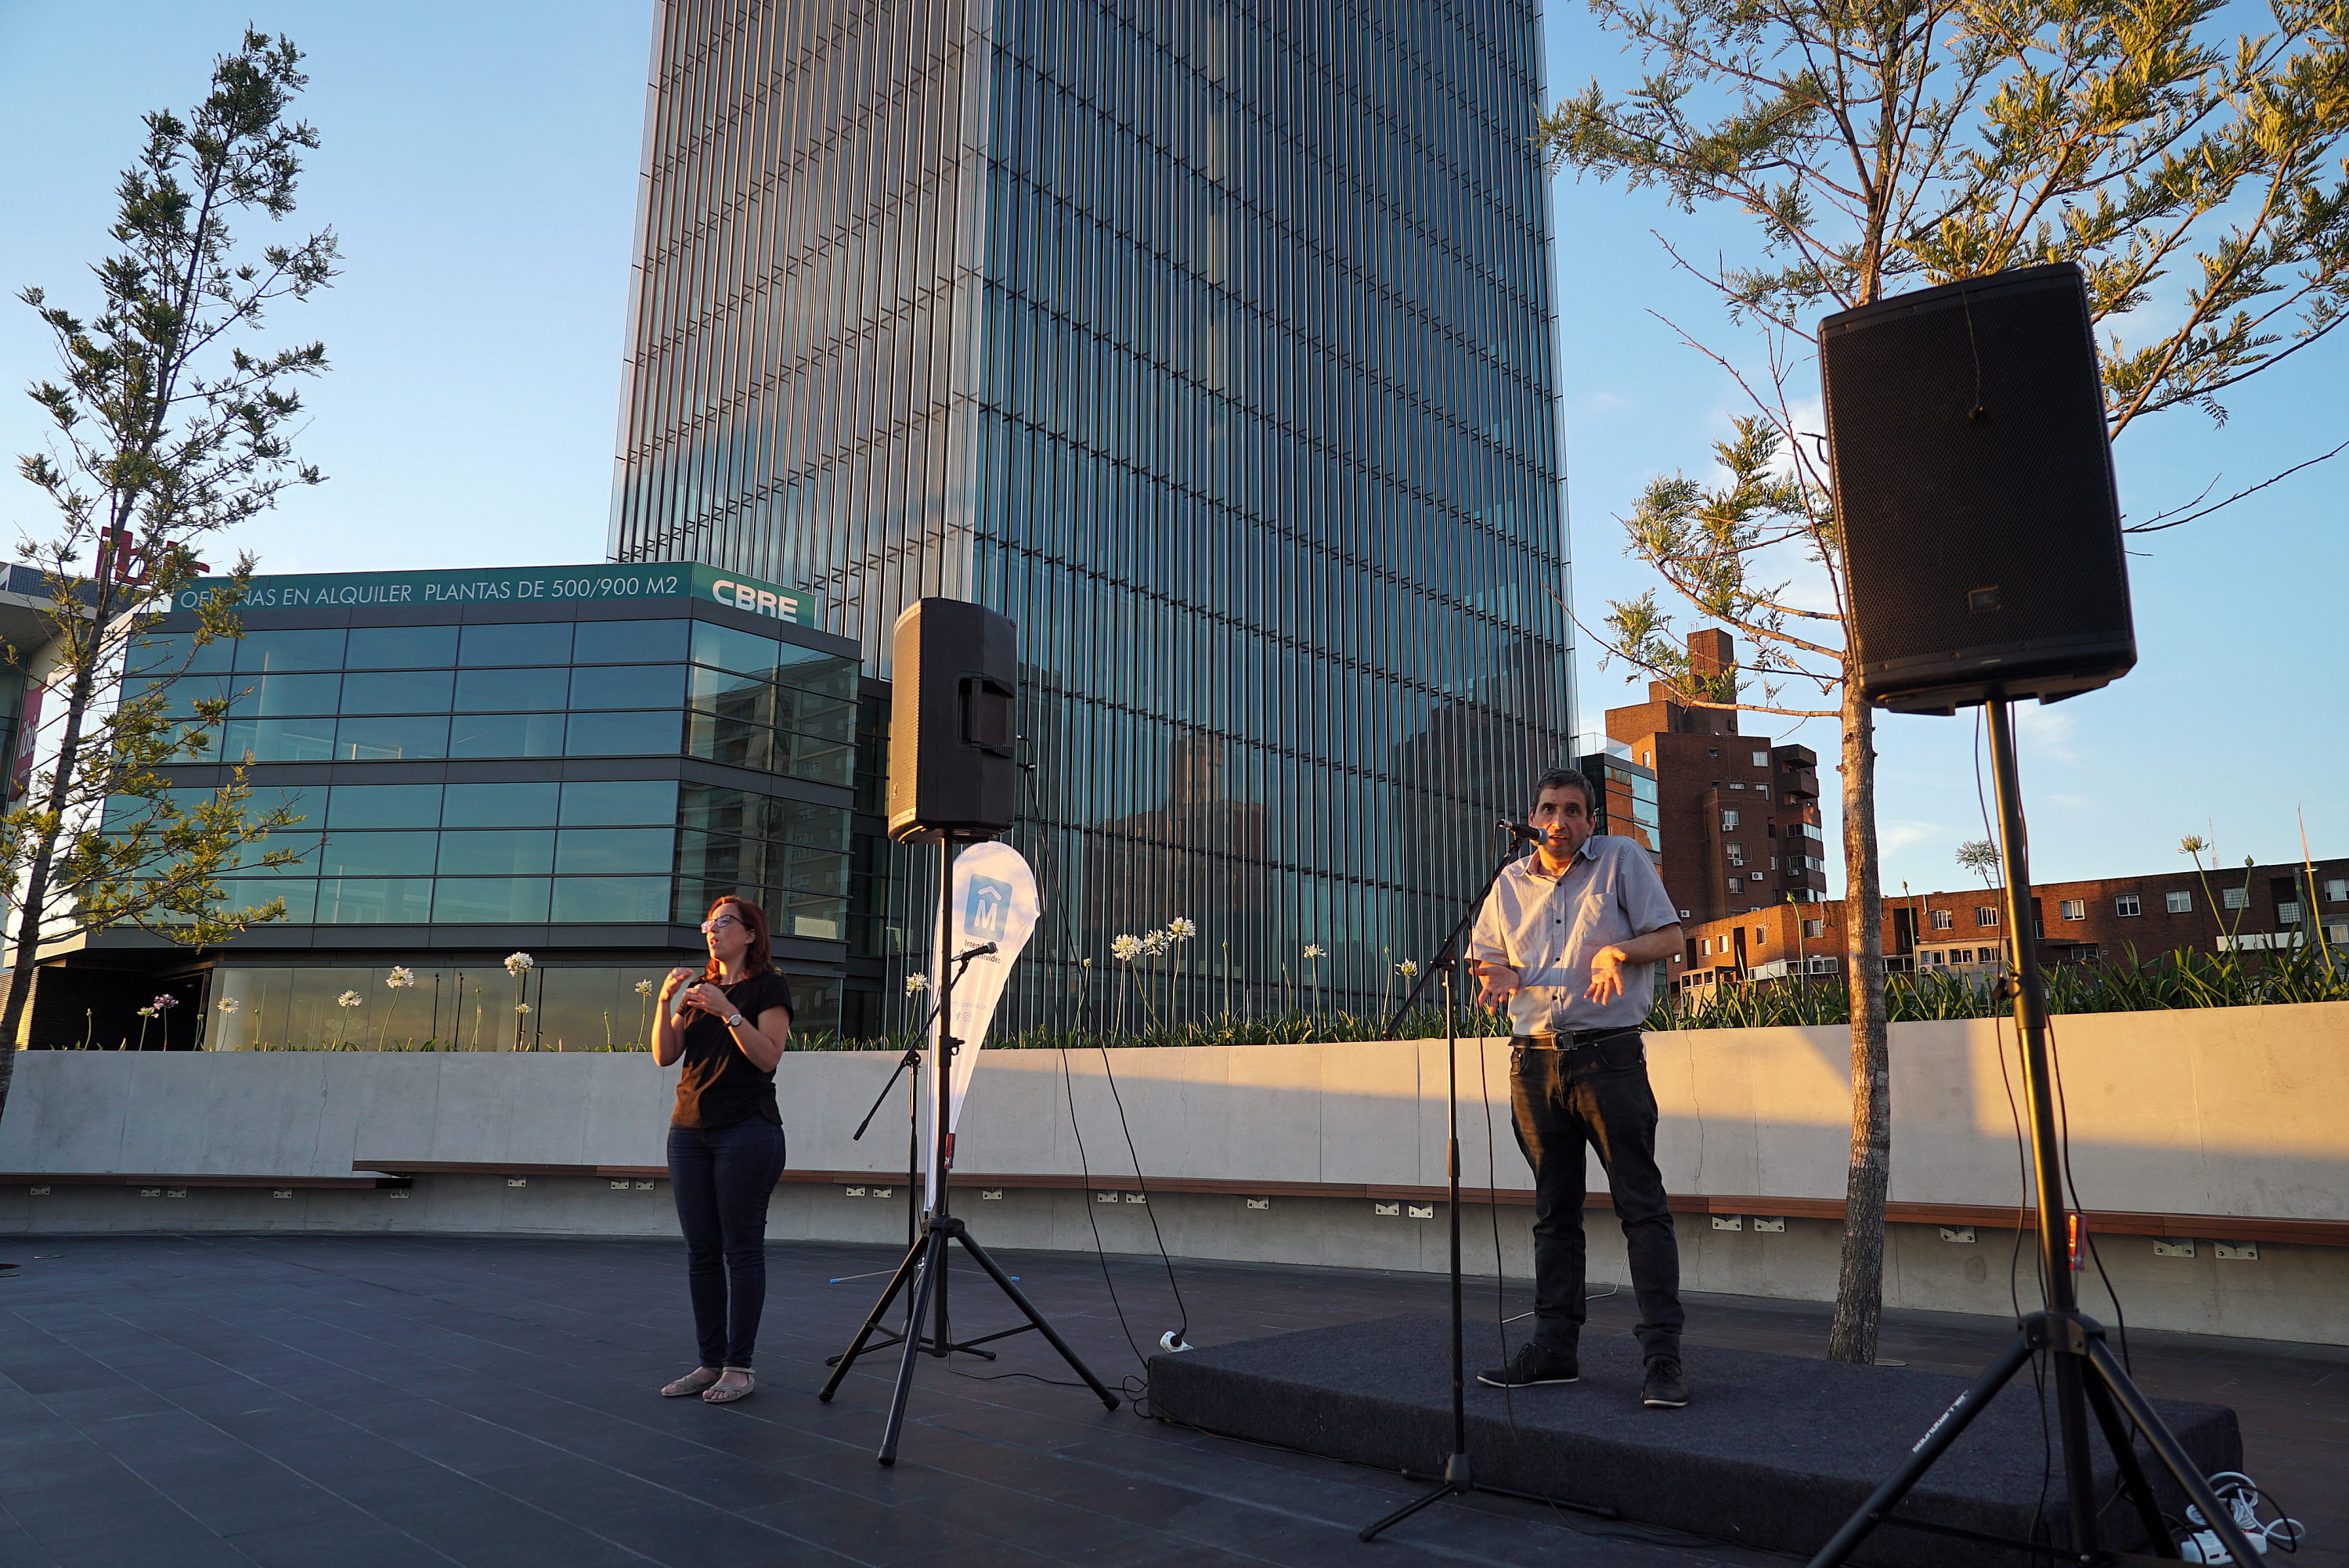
722 1177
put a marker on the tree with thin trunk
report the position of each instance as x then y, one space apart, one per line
165 429
2193 173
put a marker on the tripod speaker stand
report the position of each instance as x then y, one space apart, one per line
2088 1377
925 1262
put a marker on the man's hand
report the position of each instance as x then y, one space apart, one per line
1606 976
1500 985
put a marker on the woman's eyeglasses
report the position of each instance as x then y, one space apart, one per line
711 927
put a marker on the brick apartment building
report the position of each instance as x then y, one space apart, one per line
1737 817
2241 908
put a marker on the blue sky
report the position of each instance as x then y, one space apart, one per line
481 165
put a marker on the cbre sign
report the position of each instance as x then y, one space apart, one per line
518 585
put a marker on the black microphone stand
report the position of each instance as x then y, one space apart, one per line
912 1062
1459 1479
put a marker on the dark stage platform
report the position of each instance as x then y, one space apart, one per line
1775 1451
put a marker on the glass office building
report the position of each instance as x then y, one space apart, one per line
572 762
1209 340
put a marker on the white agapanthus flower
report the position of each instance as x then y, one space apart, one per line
1125 948
645 987
1315 950
917 984
523 1007
1407 968
349 999
146 1012
520 962
1156 942
400 978
1180 929
228 1005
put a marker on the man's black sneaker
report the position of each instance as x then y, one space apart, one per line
1533 1364
1663 1389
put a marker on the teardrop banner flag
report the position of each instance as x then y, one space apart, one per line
995 901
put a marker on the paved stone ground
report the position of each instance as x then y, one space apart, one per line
178 1402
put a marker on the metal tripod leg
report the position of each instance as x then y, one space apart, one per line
1456 1483
2118 1438
2107 1369
1028 1310
848 1358
1942 1433
934 1247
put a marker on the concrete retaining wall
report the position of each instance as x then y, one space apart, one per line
2230 1112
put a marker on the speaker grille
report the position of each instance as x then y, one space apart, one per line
1974 483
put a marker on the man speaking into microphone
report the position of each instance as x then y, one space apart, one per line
1566 941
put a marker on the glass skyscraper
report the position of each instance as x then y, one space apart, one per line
1209 340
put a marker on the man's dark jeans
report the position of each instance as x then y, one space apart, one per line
722 1178
1597 1095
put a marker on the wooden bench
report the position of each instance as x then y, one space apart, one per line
2103 1222
161 1184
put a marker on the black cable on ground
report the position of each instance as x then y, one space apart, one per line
1136 1389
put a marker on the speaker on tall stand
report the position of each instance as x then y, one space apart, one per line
1973 489
953 779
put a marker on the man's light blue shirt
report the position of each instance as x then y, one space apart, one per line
1548 928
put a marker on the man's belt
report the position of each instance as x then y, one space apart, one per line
1575 1040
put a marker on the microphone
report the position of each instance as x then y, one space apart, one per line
1522 832
970 953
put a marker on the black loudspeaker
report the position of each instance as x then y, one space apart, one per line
1973 481
955 680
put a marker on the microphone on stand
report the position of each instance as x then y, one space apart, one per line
1522 832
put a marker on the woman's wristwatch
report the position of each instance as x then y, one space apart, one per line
735 1020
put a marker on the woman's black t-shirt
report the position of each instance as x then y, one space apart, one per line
718 1087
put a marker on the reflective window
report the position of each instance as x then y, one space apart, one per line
267 697
384 806
628 686
175 653
483 691
402 739
743 652
498 851
609 901
301 898
181 696
405 691
515 643
378 854
506 735
615 849
303 842
401 647
375 901
320 649
623 801
524 805
630 641
623 734
278 739
477 901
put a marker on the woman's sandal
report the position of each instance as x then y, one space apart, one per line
727 1393
693 1382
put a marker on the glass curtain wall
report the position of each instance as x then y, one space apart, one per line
1243 412
798 305
643 850
454 1007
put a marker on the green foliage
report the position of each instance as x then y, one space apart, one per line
1887 146
163 428
2181 979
